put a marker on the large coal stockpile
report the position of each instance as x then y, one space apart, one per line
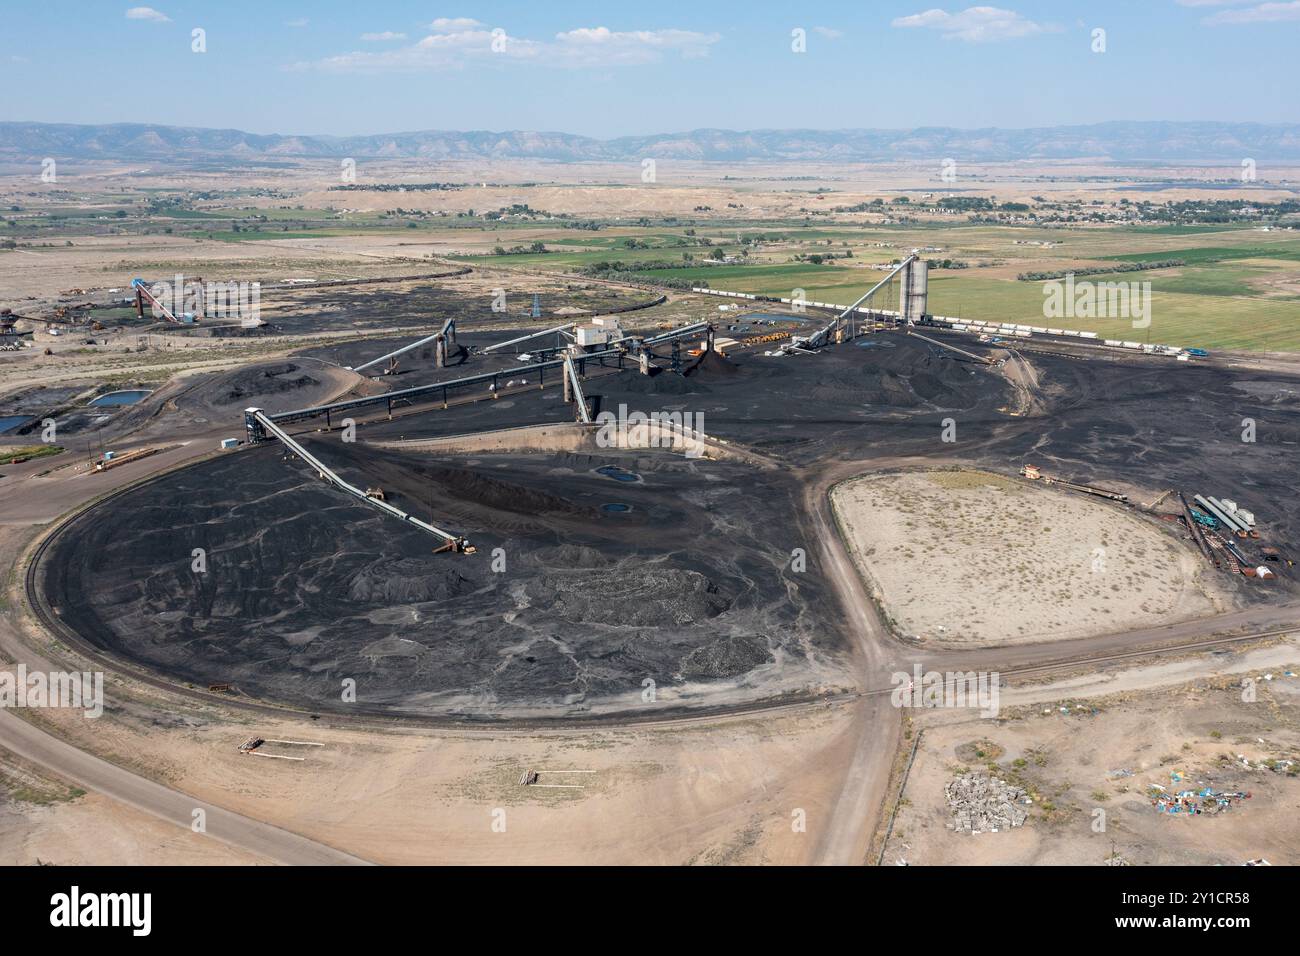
582 585
844 400
904 376
262 381
278 385
713 365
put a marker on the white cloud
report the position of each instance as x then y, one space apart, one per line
573 49
437 51
147 13
380 37
600 46
829 33
974 24
300 22
1260 13
453 24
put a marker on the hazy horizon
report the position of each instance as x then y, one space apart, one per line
289 133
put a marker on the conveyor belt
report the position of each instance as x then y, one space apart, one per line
432 389
450 541
571 372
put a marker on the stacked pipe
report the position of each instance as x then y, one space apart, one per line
1232 524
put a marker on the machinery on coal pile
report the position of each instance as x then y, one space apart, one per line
573 391
913 293
913 275
913 301
11 340
561 332
443 341
143 295
259 420
1234 520
260 425
1033 474
603 336
1220 527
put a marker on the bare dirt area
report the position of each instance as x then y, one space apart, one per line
968 558
751 190
1188 774
45 822
107 264
739 791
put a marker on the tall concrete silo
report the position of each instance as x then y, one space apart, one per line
914 290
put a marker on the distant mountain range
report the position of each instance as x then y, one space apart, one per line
1209 142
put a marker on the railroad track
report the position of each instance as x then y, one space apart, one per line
1103 660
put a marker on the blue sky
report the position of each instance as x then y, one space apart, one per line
610 69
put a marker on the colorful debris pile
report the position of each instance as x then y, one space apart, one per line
1195 802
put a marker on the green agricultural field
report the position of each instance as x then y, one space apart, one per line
1285 250
191 214
1239 287
1187 318
279 212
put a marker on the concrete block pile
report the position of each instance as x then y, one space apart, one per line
980 803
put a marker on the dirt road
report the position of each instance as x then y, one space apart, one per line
91 773
845 838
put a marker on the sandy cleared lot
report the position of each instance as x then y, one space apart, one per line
45 820
1088 765
740 791
974 559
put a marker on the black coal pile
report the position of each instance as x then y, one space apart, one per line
661 382
568 557
458 495
902 378
263 381
408 580
725 657
630 597
713 365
